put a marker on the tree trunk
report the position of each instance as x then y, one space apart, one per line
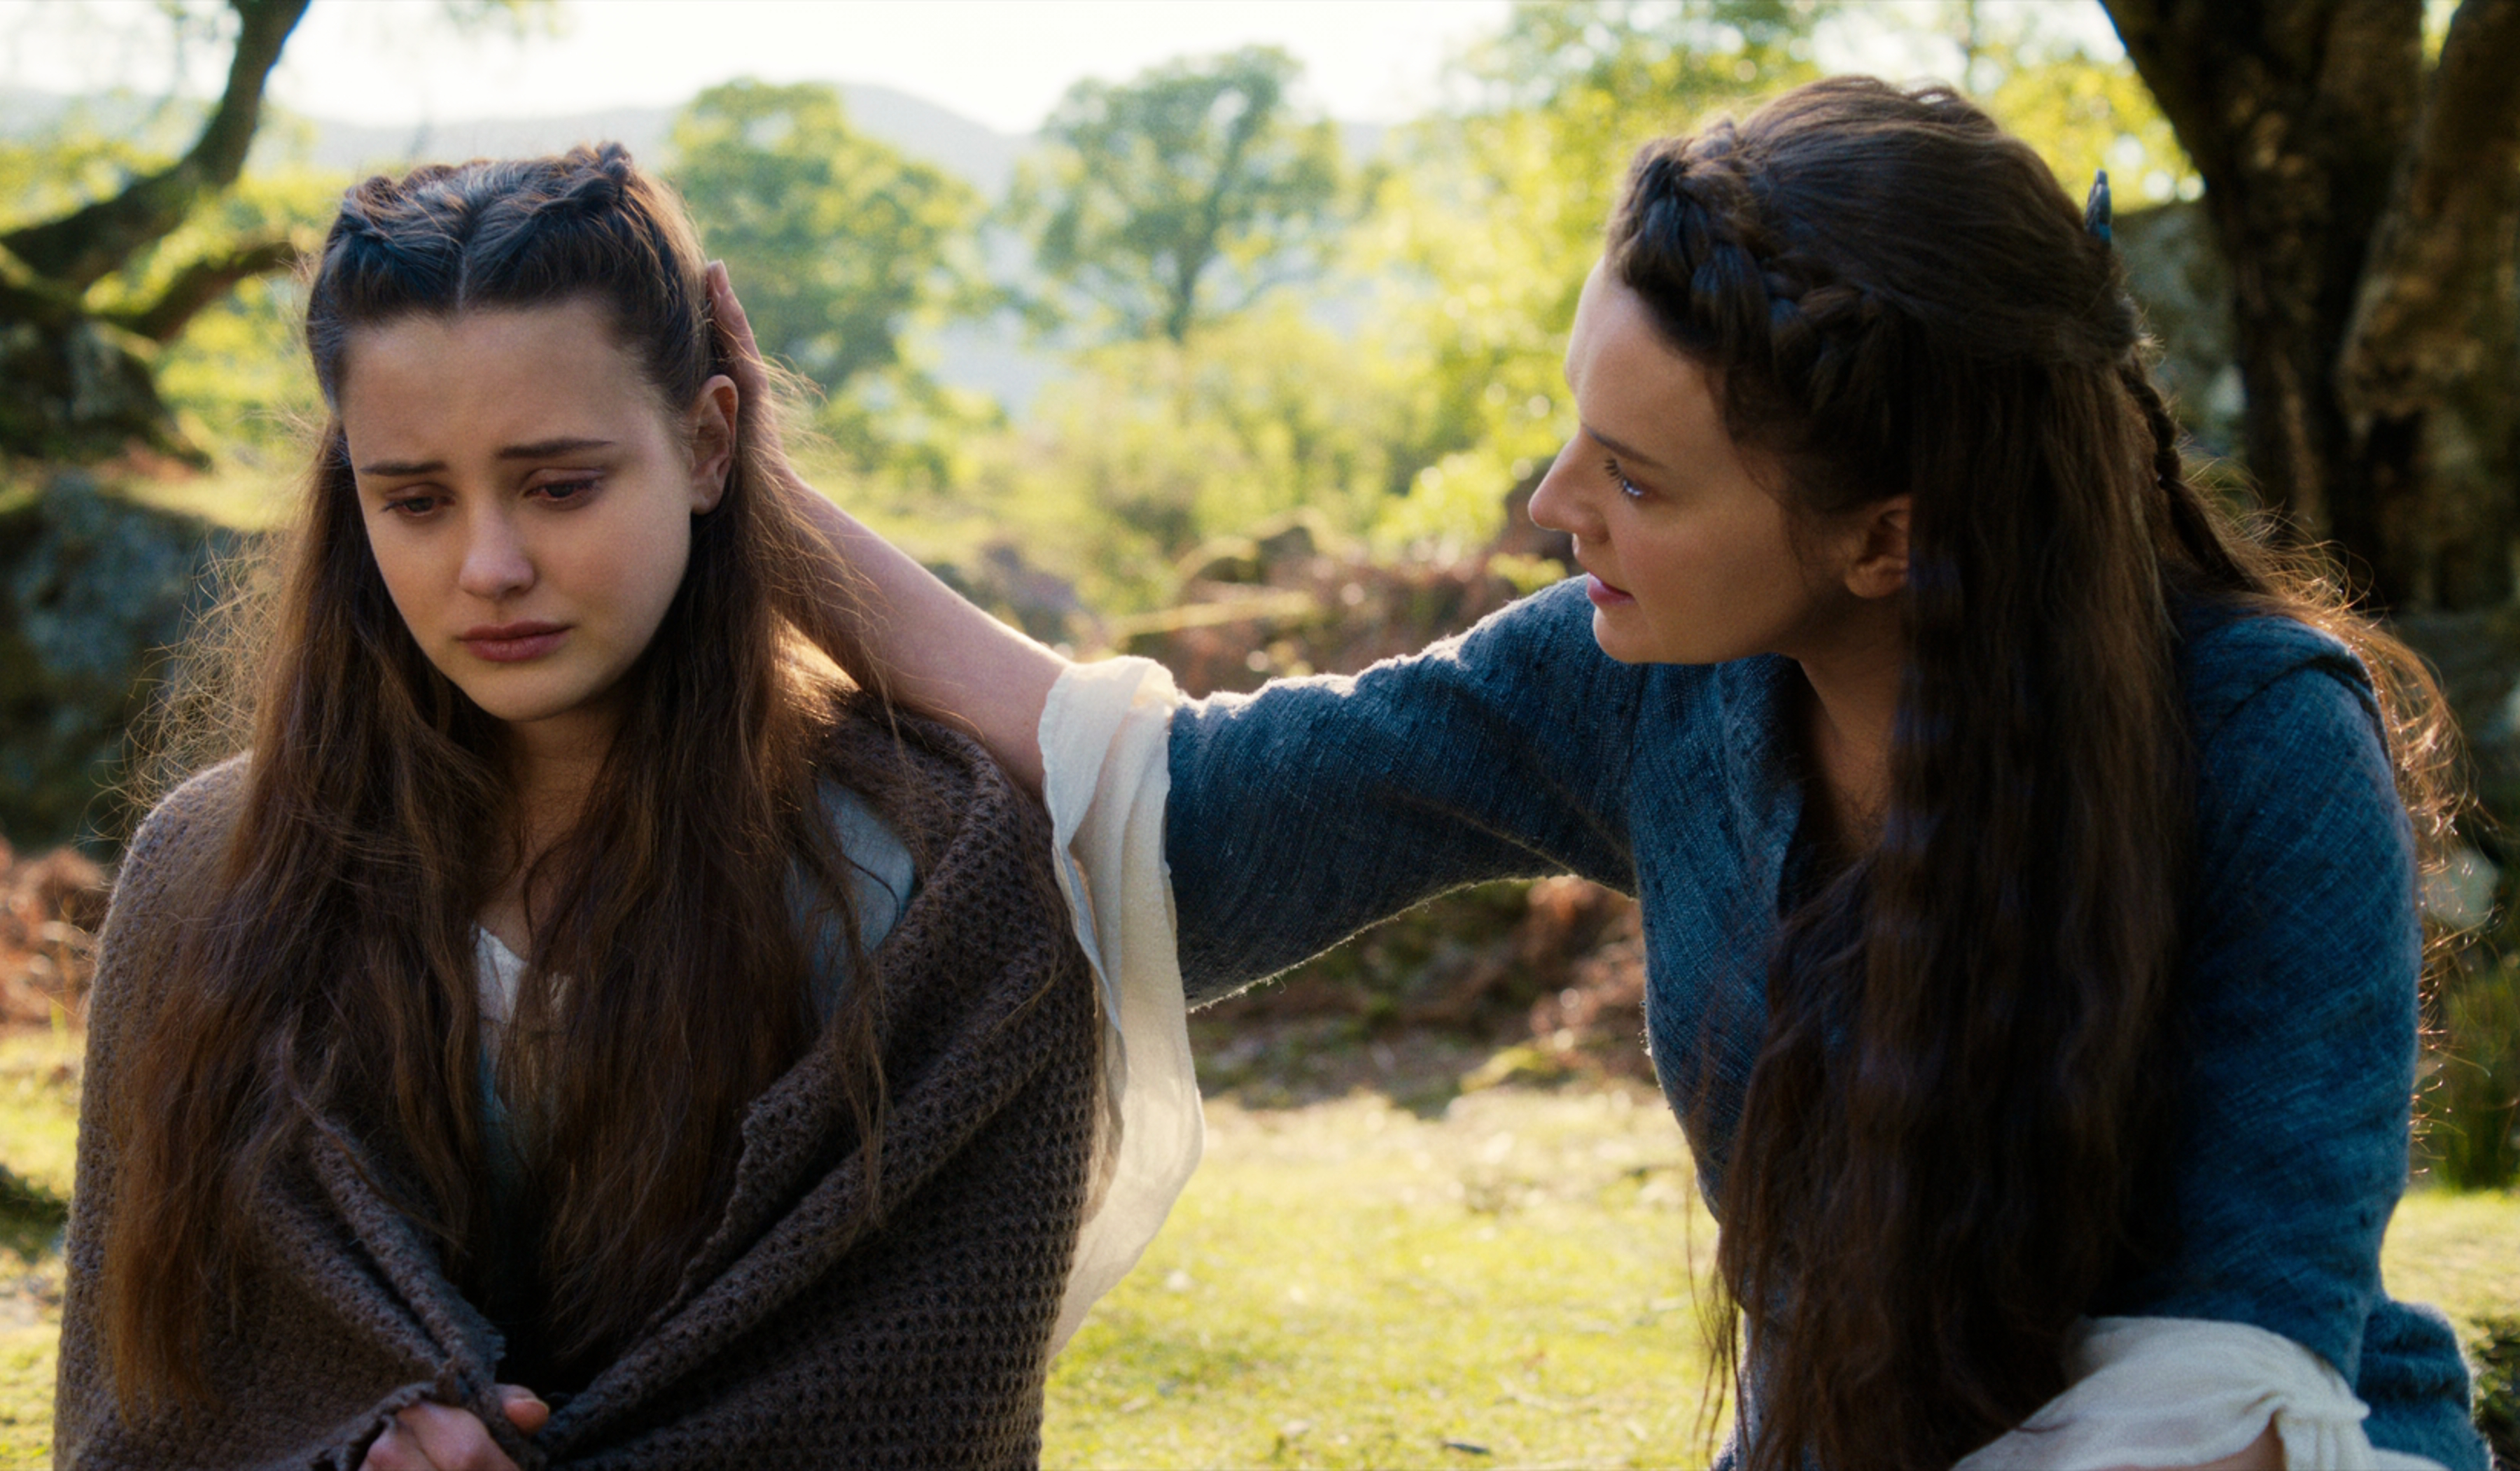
2370 219
2294 114
76 388
2429 371
75 384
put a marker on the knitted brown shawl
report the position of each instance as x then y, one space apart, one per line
797 1338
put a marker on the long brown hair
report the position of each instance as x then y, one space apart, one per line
1959 1087
330 985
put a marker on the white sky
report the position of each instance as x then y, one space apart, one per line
1001 63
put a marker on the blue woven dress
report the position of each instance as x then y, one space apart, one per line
1318 806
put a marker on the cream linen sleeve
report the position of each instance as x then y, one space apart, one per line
1105 739
2160 1392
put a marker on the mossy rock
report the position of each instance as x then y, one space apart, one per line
2497 1351
94 590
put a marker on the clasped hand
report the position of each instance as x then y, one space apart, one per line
428 1437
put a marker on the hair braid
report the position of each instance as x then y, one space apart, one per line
2198 532
1699 243
1806 349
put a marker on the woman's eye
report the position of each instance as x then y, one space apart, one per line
411 505
1619 477
565 491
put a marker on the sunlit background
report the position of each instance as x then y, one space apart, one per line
998 63
1446 1220
1369 347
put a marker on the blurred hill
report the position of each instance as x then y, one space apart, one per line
988 357
919 128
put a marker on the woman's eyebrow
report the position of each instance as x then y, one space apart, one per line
543 449
540 449
1623 451
403 466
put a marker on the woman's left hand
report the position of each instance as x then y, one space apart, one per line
428 1437
930 649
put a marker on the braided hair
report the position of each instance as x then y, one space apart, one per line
1958 1099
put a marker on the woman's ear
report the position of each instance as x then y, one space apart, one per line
711 433
1880 564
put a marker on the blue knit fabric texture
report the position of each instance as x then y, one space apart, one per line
1318 806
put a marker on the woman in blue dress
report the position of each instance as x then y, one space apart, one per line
2028 855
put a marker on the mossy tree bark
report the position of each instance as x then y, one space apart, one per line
2370 211
75 383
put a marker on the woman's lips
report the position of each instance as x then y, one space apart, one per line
1602 593
509 643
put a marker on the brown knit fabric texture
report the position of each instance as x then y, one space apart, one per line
921 1341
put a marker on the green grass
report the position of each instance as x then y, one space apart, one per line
1348 1283
39 1141
26 1393
2459 1252
39 1076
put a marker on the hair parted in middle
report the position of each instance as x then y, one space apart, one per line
1964 1079
334 974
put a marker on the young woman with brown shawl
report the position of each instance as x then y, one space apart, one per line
578 1025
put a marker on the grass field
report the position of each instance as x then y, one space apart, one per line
39 1138
1350 1283
1347 1284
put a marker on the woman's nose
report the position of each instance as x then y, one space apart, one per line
1558 502
495 564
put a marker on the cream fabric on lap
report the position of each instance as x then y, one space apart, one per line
1105 748
2162 1392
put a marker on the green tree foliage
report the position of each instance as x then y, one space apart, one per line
119 240
1179 198
237 378
835 240
1148 450
2080 111
78 155
75 374
1498 210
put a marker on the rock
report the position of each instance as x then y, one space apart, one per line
2177 275
1039 602
1222 559
1293 542
2474 655
94 589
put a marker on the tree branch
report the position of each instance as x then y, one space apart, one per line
201 282
83 247
24 299
2452 227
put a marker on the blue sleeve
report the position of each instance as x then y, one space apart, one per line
2414 1379
1303 814
2299 1014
